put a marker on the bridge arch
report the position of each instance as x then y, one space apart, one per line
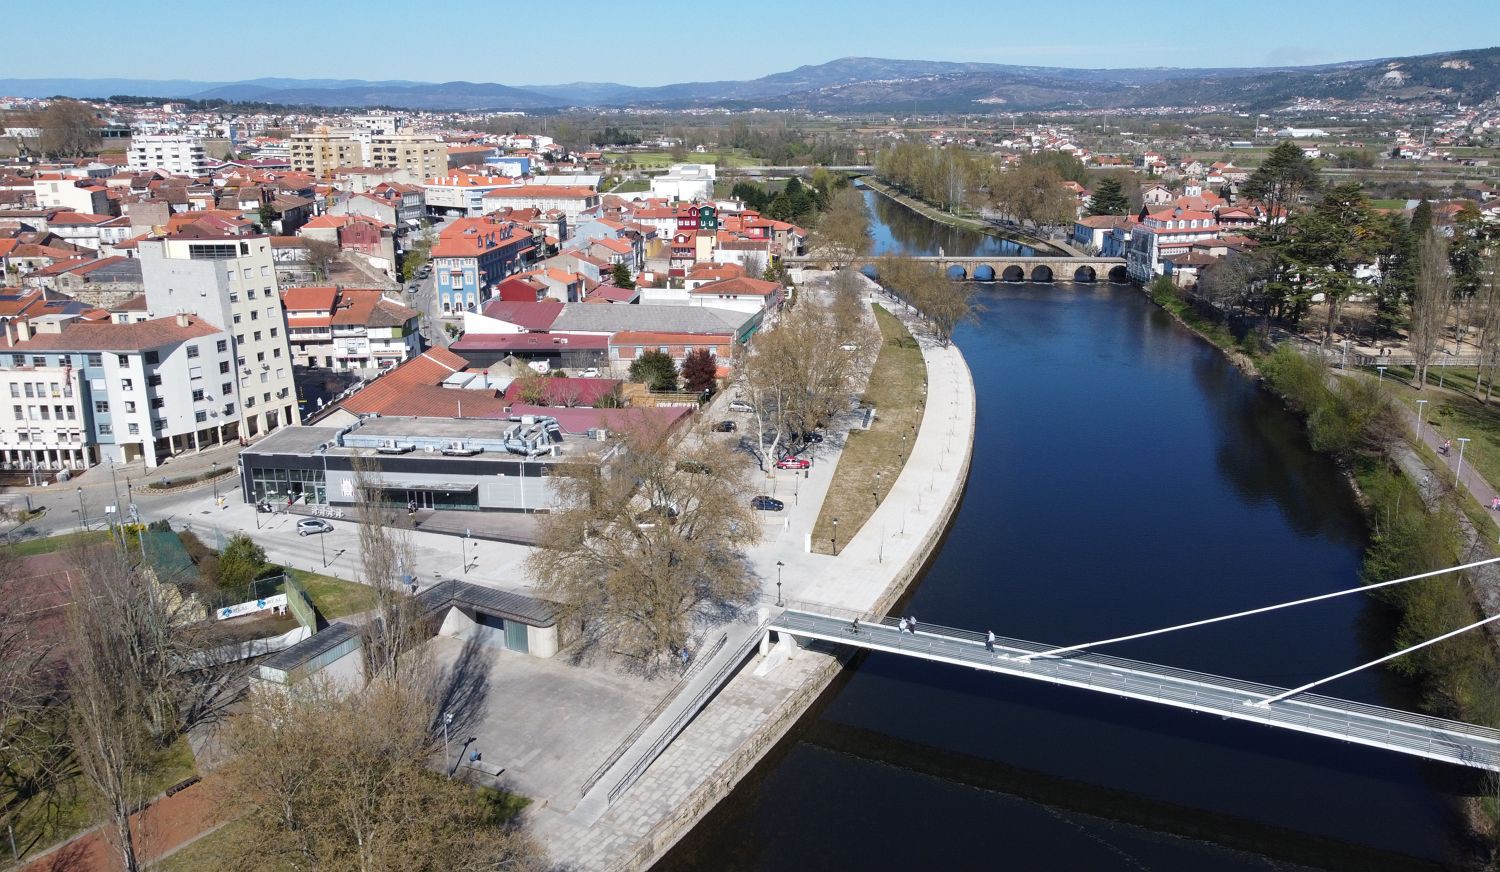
1119 275
957 272
1013 273
984 273
1085 274
1041 273
870 271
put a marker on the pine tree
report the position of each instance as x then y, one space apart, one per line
1109 198
621 276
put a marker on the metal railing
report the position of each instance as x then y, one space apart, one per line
693 669
686 715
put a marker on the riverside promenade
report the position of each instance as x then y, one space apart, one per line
764 699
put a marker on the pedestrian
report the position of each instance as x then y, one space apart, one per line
854 627
683 653
989 641
911 624
901 626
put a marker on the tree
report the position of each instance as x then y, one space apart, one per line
700 371
69 129
1109 198
843 232
1284 176
267 216
1033 192
321 257
656 369
416 257
751 194
241 561
1328 242
342 781
639 557
620 274
395 627
1429 307
943 302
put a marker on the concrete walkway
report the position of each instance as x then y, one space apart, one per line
722 742
1475 484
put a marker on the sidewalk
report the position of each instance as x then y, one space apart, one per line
1478 487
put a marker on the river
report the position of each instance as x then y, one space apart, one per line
1125 477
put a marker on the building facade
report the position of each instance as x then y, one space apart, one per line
472 255
173 154
231 283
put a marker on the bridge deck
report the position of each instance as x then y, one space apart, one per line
1376 726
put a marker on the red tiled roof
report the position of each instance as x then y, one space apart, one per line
309 299
413 389
108 336
643 337
529 342
531 316
740 286
568 391
580 421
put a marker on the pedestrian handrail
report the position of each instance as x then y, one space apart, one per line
1392 729
686 715
651 716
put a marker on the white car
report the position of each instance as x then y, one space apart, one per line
849 346
740 406
309 526
591 372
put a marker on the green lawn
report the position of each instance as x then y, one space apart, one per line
632 186
33 547
727 157
1388 204
1453 412
895 391
334 597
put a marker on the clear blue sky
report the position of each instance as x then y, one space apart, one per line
442 41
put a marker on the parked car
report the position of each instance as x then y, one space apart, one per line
309 526
725 427
591 372
811 436
793 463
766 504
740 406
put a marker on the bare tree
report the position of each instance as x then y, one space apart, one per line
1487 303
1430 301
944 303
396 624
843 232
328 780
322 257
69 129
639 554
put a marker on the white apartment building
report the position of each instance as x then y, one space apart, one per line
230 281
171 153
462 193
685 182
84 391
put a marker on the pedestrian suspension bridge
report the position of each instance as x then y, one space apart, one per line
1079 666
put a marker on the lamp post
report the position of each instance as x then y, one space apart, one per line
82 515
779 602
1458 471
1421 407
875 492
213 470
465 546
447 719
1381 379
835 537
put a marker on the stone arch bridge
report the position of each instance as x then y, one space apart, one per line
1016 268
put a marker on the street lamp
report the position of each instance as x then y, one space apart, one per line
447 719
213 470
1421 407
835 536
1459 471
465 546
81 513
779 603
876 491
1382 374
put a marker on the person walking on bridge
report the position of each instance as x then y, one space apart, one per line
989 641
901 626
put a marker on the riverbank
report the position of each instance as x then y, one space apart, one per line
766 698
1414 523
946 218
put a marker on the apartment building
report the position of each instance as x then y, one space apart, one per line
472 255
421 154
230 282
170 153
349 328
323 151
85 391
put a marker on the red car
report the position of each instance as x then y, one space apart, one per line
793 463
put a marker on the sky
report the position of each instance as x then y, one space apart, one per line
661 43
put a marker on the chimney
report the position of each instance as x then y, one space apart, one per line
182 319
23 329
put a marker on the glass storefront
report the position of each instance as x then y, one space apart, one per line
302 486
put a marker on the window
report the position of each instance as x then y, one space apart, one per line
248 272
250 294
234 297
152 357
39 360
249 401
229 408
257 335
192 351
122 359
275 352
265 377
223 367
226 388
265 271
15 390
198 395
266 396
239 338
200 416
20 413
101 406
72 413
663 349
31 390
254 315
158 402
126 384
106 429
130 407
18 360
276 331
46 414
135 429
236 318
222 346
153 381
260 356
280 373
271 313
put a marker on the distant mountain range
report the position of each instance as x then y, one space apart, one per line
865 85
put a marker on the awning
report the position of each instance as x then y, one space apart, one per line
425 486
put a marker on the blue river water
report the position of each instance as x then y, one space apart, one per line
1125 476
